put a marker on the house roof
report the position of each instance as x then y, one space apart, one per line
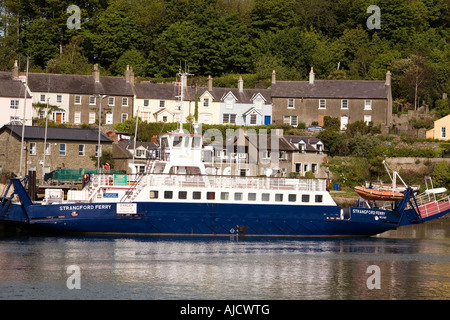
308 140
126 146
343 89
66 134
12 88
168 91
246 96
79 84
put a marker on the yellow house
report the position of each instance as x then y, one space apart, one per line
441 129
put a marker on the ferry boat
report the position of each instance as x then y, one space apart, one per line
177 196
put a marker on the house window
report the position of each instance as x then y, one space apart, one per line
124 117
33 148
146 103
42 98
140 153
229 118
367 119
291 103
162 104
12 119
124 102
111 101
14 104
97 149
59 98
77 99
81 149
47 149
253 119
92 100
294 121
206 102
229 103
91 117
77 117
314 168
367 104
344 104
62 149
322 104
291 120
443 132
164 119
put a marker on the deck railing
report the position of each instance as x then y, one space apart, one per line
213 181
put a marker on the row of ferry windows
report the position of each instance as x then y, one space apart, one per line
237 196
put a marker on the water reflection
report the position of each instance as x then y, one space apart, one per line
414 264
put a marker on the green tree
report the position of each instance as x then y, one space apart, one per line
441 174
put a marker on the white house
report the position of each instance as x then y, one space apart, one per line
13 100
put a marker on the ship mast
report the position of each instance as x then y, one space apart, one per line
182 84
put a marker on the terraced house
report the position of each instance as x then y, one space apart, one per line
77 99
348 100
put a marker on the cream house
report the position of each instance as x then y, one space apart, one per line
441 129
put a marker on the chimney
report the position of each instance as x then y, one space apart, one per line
311 76
241 84
388 78
15 71
129 75
210 83
96 73
274 77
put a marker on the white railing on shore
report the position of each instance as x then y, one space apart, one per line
210 181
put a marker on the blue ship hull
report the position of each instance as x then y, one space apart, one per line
208 218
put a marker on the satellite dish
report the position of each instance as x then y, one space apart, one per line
269 172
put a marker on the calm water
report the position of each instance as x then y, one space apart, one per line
414 263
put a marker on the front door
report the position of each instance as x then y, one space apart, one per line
267 120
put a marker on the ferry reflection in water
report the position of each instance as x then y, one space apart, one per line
414 263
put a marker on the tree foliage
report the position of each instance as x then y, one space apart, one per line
220 37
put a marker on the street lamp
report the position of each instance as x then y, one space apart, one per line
99 129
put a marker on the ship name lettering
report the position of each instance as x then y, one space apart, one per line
85 207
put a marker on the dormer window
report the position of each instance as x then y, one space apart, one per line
301 147
140 153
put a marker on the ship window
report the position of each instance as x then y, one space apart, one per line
292 198
210 195
305 197
168 194
182 194
196 195
252 196
224 195
153 194
278 197
238 196
319 198
265 196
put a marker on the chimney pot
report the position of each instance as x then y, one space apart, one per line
96 73
274 77
388 78
210 84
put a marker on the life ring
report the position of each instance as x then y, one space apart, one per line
86 178
110 180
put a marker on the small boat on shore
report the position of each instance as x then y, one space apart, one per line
378 195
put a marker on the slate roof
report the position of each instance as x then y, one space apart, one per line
66 134
163 91
338 89
126 146
307 139
243 97
79 84
12 88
